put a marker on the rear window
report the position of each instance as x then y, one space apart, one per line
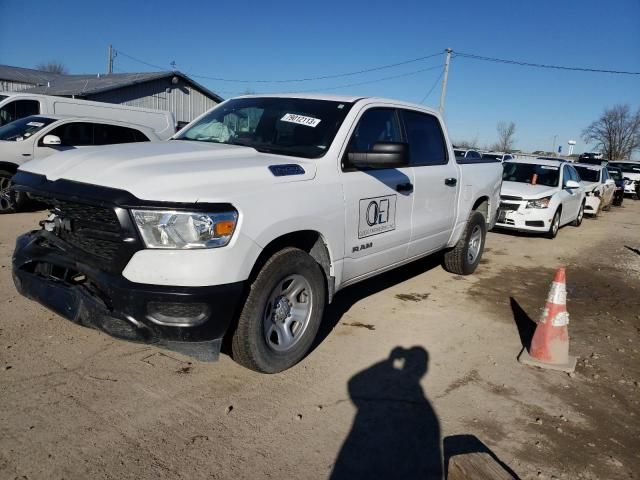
588 174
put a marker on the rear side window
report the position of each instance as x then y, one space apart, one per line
426 141
112 134
18 109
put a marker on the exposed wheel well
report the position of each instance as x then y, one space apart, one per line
9 167
309 241
482 205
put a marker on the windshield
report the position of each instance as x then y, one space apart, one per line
2 97
615 173
492 156
588 174
23 128
287 126
546 175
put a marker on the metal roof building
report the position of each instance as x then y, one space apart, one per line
170 90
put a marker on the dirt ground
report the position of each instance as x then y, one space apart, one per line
409 367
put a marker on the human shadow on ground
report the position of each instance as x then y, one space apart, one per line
526 326
395 433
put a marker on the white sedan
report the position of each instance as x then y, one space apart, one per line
540 195
599 187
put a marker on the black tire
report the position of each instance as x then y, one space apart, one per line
10 200
555 225
617 202
249 344
578 220
457 260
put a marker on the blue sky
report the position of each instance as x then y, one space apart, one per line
293 39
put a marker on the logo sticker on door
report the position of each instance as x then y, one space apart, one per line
377 215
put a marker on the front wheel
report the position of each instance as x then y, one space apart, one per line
10 200
555 225
282 313
465 256
578 220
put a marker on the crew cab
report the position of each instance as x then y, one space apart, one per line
498 156
39 136
540 195
467 153
249 220
599 187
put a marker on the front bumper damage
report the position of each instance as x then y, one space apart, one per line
190 320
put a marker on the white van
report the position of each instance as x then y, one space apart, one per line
39 136
14 106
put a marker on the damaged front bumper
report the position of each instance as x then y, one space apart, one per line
190 320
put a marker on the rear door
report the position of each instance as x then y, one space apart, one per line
378 202
436 183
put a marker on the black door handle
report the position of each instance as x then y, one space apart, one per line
404 187
451 182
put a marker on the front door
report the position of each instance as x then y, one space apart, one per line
378 201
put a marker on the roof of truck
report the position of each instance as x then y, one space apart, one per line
337 98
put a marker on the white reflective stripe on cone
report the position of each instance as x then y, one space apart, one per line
557 294
561 319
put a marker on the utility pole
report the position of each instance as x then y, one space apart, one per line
444 80
553 149
110 63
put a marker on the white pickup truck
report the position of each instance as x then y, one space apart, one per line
249 220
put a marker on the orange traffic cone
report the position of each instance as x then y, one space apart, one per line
550 344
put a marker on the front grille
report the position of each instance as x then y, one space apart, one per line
95 230
510 197
509 206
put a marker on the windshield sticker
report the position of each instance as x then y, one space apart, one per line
544 167
35 124
377 215
301 120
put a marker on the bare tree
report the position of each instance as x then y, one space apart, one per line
616 133
52 66
506 133
467 143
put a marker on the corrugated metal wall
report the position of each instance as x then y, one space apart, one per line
9 86
184 101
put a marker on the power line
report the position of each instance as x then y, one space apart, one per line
336 87
432 87
541 65
292 80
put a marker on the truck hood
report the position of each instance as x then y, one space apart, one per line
526 190
176 170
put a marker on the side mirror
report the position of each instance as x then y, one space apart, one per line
572 184
51 140
382 155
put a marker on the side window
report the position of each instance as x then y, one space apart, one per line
426 141
75 134
507 158
473 154
376 125
18 109
112 134
566 176
605 175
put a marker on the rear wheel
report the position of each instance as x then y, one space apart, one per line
555 225
617 201
282 313
10 200
465 256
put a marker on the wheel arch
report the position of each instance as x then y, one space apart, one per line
482 205
310 241
9 167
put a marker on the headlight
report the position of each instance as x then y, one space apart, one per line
185 230
540 203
